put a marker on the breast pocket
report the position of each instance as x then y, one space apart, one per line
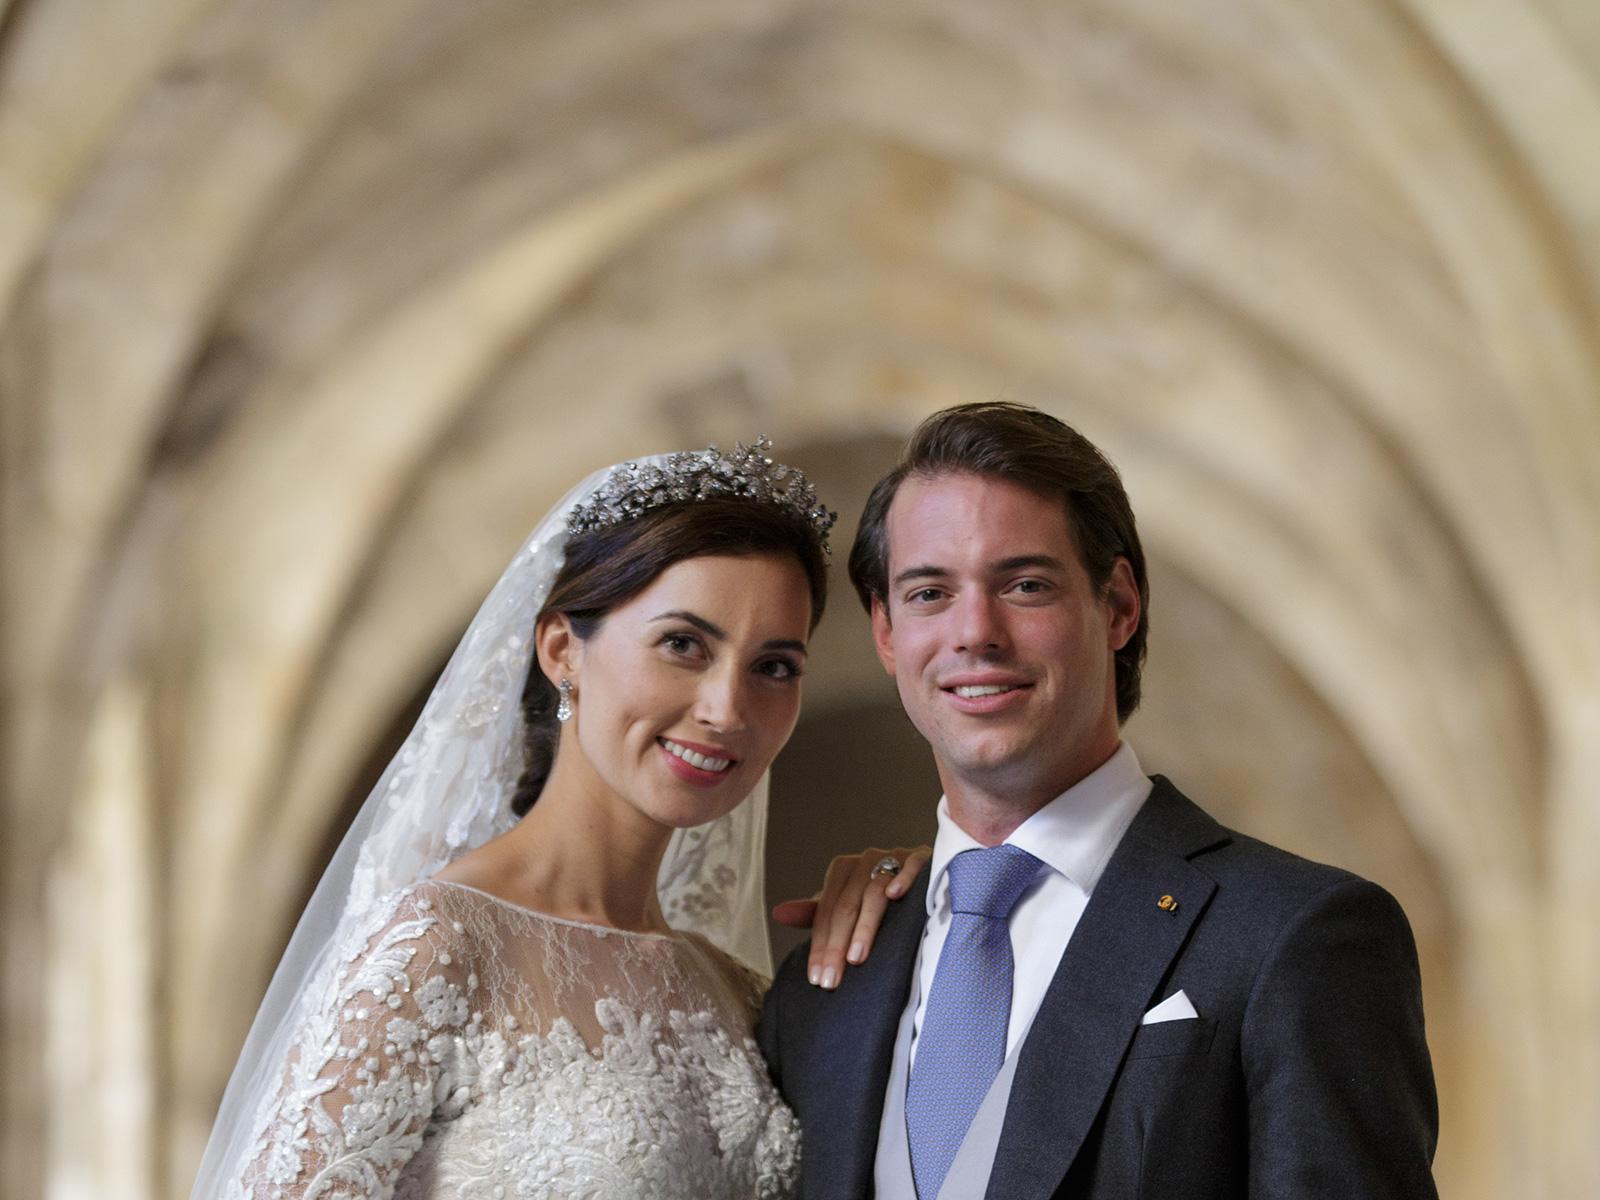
1191 1035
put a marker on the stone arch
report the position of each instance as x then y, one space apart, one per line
1273 527
1357 220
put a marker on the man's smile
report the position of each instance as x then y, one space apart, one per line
987 693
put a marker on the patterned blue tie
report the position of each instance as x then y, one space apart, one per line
962 1042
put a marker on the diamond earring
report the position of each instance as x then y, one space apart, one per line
564 704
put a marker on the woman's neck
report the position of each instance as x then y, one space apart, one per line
584 852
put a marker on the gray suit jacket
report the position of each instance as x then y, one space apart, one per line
1306 1073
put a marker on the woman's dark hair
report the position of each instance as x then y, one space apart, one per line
607 567
1044 455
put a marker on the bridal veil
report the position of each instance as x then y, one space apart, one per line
447 791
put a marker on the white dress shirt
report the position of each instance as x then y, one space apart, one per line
1073 836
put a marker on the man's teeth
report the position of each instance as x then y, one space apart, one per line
983 689
696 760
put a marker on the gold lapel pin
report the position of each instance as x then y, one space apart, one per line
1167 904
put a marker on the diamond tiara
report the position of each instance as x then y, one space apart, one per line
632 489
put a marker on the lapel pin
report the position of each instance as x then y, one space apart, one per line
1167 904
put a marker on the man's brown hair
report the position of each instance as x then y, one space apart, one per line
1036 451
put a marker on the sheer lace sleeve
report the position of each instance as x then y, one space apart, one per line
378 1058
744 986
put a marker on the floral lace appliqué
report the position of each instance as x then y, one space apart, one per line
478 1050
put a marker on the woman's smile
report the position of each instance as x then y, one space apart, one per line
695 763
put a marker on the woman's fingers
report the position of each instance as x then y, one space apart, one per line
845 916
912 861
851 908
796 914
873 902
823 967
879 892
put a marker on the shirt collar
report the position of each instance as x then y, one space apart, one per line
1074 834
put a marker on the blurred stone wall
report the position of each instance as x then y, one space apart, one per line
308 311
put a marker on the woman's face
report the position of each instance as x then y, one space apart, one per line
688 691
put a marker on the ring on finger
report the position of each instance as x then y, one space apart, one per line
887 865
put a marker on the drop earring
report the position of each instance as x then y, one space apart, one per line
564 703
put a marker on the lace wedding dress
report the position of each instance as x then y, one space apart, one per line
474 1048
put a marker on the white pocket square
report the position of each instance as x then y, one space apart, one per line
1175 1007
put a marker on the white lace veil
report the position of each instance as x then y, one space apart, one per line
447 791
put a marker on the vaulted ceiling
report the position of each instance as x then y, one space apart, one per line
310 311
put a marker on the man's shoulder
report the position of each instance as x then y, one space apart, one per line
1266 898
1244 863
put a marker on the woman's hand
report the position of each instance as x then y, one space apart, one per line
844 917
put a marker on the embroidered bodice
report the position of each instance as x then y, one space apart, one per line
474 1049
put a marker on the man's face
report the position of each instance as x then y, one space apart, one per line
1001 648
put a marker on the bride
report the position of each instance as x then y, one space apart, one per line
533 967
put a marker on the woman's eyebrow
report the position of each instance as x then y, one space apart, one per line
699 622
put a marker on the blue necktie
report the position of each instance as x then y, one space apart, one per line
962 1042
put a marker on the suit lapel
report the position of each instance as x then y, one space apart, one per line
1121 949
861 1019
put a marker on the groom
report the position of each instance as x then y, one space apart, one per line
1094 990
